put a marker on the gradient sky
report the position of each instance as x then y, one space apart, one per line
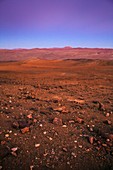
56 23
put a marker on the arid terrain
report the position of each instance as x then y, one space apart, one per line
58 113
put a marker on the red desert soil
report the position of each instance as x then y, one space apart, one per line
56 114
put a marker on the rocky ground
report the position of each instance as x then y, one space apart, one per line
56 115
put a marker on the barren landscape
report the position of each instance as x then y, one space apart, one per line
56 109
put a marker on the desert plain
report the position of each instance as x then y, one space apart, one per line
56 109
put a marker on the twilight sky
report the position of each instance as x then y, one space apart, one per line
56 23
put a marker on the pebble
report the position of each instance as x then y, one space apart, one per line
107 114
24 130
14 154
40 125
45 133
37 145
101 106
50 138
108 122
6 135
64 126
64 149
91 139
29 116
75 141
79 120
104 144
0 167
91 129
80 146
14 149
35 120
73 154
31 167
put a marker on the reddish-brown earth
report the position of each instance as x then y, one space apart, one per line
56 114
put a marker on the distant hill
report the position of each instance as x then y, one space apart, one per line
56 53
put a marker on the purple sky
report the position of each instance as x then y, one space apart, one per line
50 23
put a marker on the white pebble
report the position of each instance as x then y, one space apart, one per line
37 145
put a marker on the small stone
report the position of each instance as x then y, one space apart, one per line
73 154
14 149
45 133
91 129
107 114
104 144
107 140
14 154
80 146
31 167
40 125
6 135
101 107
35 120
29 116
50 138
71 122
91 140
37 145
15 125
79 120
64 126
75 141
68 163
108 122
24 130
57 121
64 149
0 167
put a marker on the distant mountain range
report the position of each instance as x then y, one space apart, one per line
56 54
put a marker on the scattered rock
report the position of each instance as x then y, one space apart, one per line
64 126
107 114
14 149
6 135
73 154
64 149
71 121
29 116
101 106
37 145
79 120
91 139
35 120
24 130
108 122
